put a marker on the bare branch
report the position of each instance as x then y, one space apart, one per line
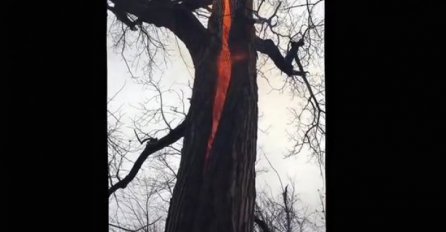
174 16
268 47
120 227
262 224
173 136
287 209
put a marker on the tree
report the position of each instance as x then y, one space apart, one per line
215 186
287 212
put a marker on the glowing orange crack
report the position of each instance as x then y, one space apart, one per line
224 65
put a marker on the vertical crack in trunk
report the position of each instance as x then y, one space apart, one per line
224 64
215 189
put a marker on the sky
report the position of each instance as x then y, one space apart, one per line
273 141
274 118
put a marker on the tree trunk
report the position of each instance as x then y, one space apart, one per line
219 194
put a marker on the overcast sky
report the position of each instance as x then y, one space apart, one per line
274 118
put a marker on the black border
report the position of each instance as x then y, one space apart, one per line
383 99
57 116
383 112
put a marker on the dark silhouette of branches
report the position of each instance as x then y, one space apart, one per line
261 224
138 207
289 37
169 14
151 147
285 213
299 37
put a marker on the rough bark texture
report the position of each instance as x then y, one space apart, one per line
220 198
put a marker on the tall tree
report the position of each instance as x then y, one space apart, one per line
215 188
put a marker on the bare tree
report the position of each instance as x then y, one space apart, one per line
215 181
286 213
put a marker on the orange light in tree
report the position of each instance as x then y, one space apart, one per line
224 66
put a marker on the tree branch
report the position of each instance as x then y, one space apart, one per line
171 15
262 224
135 230
268 47
304 77
287 209
120 227
195 4
151 147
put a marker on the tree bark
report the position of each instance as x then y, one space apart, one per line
221 196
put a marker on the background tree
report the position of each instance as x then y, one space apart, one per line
222 188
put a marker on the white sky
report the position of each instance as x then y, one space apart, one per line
274 118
